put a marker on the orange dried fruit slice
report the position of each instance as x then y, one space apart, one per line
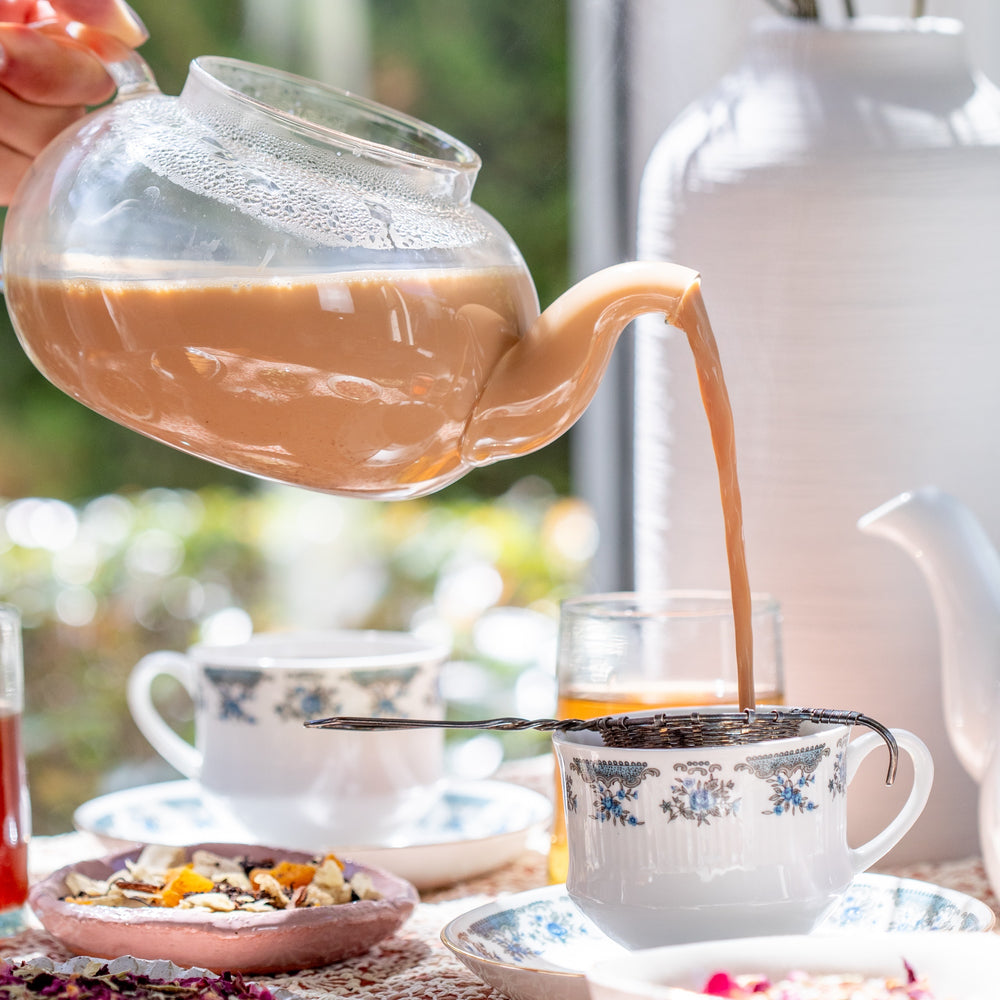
293 875
185 881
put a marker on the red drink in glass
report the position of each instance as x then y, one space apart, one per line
13 814
15 810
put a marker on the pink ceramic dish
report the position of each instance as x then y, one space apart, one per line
276 941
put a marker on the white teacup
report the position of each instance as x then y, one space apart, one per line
284 784
674 845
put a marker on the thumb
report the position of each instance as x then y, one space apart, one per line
113 17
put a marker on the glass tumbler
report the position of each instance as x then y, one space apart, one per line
15 822
625 652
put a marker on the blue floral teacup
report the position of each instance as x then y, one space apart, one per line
675 845
287 785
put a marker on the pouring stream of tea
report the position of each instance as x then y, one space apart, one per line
388 383
692 320
191 363
528 399
183 361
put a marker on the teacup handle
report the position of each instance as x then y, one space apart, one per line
174 750
866 855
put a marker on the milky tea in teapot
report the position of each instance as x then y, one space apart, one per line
376 377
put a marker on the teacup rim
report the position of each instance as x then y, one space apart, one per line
278 648
591 739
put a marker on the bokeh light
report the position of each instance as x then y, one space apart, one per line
105 582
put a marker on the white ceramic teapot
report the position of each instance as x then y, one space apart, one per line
962 569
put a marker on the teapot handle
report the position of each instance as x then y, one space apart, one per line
124 65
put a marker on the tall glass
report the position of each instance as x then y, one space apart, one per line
15 821
625 652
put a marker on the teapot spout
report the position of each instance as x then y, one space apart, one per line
962 570
542 385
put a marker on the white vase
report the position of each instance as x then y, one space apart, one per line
840 193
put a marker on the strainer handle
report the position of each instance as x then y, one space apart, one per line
840 717
372 724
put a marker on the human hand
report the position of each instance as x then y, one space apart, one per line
47 77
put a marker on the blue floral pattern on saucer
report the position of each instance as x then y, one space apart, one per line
911 906
523 934
475 827
539 943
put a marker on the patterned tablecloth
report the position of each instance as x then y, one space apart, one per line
414 963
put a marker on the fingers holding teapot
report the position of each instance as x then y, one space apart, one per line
47 77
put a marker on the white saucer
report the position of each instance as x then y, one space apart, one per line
477 827
537 944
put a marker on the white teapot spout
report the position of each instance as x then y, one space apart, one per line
962 570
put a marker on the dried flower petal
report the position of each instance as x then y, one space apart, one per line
799 985
97 982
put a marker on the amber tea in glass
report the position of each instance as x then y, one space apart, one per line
626 652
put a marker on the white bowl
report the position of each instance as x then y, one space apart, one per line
958 966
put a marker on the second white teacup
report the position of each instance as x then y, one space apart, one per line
287 785
668 846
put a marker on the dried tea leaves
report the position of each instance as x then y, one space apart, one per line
163 877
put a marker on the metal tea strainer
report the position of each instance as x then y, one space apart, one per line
657 731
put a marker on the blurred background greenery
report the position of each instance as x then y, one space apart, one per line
113 545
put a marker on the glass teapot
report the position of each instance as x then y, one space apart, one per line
292 281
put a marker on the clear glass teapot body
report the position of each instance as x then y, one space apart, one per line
270 274
291 281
